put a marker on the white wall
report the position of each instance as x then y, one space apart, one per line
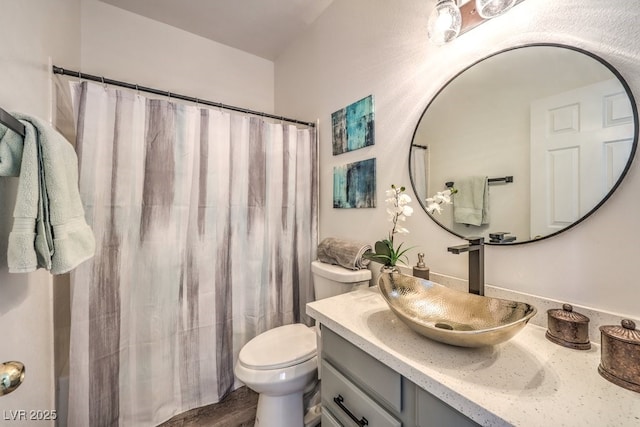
362 47
32 31
124 46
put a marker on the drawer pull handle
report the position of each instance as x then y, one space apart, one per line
362 422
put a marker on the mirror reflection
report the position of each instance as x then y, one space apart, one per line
534 139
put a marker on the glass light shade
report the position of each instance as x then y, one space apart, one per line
491 8
444 22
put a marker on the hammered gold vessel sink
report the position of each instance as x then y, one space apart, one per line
11 376
450 316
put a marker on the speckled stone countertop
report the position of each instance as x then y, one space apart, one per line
527 381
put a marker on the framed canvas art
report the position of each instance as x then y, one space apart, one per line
353 126
354 185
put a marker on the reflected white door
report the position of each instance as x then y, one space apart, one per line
580 143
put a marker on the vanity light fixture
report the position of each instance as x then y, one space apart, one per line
444 22
491 8
451 18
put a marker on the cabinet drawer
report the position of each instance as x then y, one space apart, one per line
375 377
434 412
341 397
328 420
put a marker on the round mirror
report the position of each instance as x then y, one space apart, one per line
534 139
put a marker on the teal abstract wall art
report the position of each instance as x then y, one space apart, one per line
353 126
354 185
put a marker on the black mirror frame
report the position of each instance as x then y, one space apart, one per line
610 67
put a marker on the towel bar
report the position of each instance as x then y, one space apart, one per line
503 179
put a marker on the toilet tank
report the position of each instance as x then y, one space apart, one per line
330 280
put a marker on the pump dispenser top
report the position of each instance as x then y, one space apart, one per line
420 269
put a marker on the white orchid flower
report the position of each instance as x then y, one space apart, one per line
441 197
402 230
391 193
434 207
403 199
407 210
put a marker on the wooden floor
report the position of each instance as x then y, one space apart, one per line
236 410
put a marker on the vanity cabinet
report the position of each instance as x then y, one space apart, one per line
359 390
434 412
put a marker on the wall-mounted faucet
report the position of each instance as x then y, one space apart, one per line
475 247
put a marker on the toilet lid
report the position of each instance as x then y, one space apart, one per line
279 347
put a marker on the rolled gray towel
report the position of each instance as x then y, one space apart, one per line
345 253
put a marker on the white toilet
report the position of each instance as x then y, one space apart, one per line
281 364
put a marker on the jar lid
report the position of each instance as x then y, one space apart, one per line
567 314
626 332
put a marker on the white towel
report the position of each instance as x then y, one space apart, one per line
345 253
471 202
49 228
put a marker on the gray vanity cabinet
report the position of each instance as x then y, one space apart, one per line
434 412
359 390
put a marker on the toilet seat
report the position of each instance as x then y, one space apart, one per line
279 347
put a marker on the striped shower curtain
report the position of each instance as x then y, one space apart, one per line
205 226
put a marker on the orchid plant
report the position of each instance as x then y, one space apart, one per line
398 209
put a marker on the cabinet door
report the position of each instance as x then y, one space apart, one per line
433 412
349 404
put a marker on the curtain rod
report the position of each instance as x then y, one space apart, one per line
104 80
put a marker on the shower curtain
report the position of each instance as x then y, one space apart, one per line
205 226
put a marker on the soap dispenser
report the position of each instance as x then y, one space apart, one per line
420 269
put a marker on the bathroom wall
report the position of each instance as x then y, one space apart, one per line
124 46
362 47
32 31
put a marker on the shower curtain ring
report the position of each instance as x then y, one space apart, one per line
137 90
103 83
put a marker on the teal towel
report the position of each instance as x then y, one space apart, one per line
49 228
471 202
